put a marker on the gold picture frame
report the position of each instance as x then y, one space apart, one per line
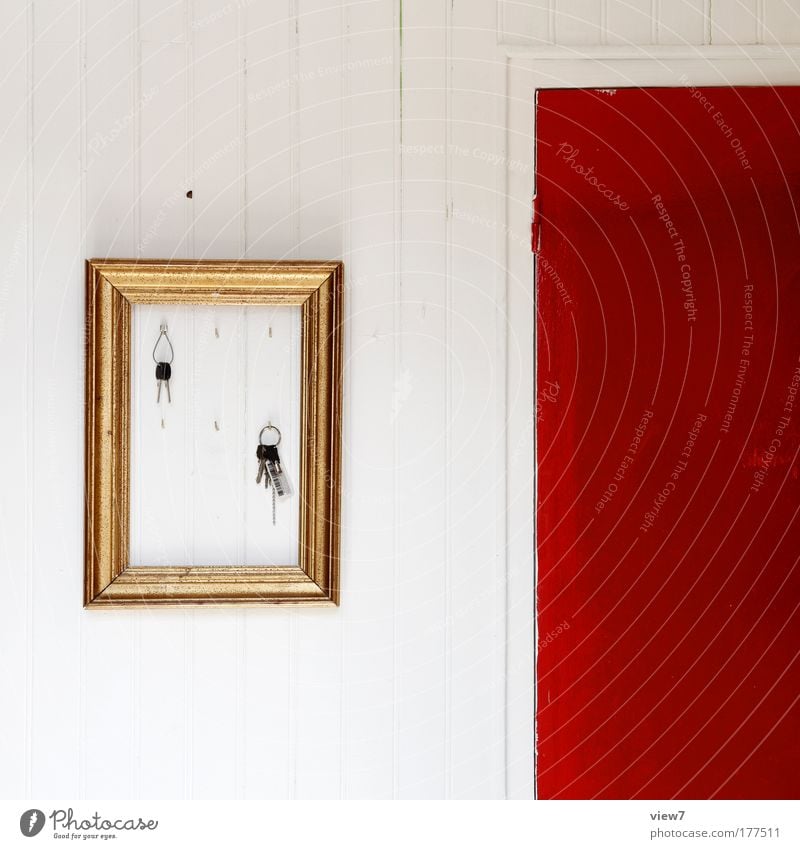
112 287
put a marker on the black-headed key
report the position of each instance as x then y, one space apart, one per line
261 454
163 374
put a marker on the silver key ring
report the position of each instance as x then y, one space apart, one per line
269 427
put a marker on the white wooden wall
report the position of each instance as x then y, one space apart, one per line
396 135
288 123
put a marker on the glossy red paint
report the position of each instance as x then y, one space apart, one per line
668 431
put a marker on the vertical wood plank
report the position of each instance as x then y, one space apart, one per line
218 144
476 441
418 403
318 215
734 22
265 673
781 22
682 22
217 415
163 215
525 22
629 21
15 425
269 33
161 534
110 111
270 84
520 634
214 715
272 381
164 209
56 382
161 703
110 129
219 367
319 124
218 165
55 22
161 523
162 21
369 441
108 714
578 22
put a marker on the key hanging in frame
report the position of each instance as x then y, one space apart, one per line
271 469
163 367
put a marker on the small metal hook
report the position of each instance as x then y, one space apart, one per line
171 349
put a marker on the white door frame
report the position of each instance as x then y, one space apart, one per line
529 69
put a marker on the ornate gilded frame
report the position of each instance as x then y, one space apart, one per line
112 286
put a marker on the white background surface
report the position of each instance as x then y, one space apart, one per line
305 129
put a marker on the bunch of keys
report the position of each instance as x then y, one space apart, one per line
270 468
163 367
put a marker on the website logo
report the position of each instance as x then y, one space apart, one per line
31 822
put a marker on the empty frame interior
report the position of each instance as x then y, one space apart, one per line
194 497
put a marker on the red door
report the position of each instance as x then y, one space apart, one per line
667 232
